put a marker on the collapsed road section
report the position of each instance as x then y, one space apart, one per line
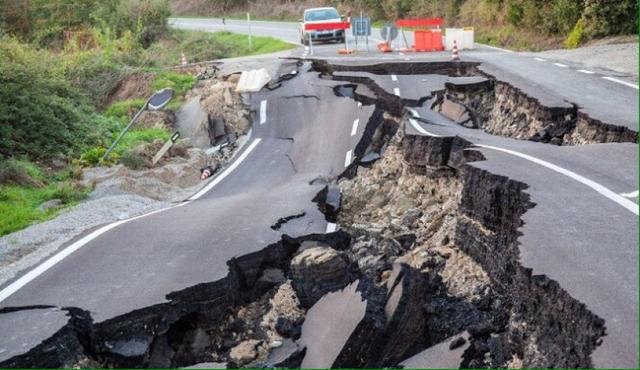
425 265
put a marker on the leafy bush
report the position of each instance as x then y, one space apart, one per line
515 12
605 17
41 113
576 36
20 172
124 110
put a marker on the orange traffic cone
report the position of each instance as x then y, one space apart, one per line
384 47
454 51
183 59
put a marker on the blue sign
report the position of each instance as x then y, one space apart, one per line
361 26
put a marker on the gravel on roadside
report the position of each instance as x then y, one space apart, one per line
27 247
620 58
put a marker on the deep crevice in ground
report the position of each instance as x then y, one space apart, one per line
493 105
428 249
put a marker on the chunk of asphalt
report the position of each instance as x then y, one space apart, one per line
439 356
370 158
457 343
328 201
329 325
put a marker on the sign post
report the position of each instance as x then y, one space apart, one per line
249 22
172 140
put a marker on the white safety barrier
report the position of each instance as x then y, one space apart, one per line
464 37
253 80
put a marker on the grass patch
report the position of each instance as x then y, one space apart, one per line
179 82
24 187
19 205
201 46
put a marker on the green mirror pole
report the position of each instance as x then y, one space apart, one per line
133 120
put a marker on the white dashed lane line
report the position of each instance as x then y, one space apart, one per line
540 59
347 158
394 78
586 71
331 227
621 82
396 91
354 128
561 65
263 112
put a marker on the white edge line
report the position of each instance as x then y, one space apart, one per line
621 82
396 91
633 194
496 48
417 126
561 65
626 203
227 171
331 227
540 59
46 265
263 112
354 128
347 158
586 71
413 112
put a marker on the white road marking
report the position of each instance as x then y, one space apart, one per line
347 158
586 71
540 59
331 227
354 128
396 90
496 48
419 128
413 112
633 194
359 105
561 65
626 203
227 171
621 82
394 78
46 265
263 112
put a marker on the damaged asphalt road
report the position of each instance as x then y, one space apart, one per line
439 241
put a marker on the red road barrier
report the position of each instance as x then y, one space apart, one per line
327 26
428 40
421 22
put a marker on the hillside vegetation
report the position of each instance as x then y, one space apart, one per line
519 24
60 63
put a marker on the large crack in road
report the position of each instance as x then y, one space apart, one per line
427 253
